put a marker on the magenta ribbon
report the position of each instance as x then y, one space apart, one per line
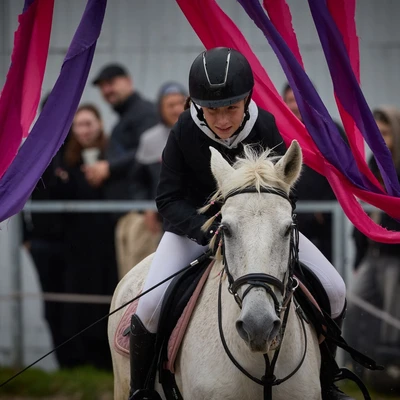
21 93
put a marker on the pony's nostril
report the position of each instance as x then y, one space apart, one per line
275 329
240 327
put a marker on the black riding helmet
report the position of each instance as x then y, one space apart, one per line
220 77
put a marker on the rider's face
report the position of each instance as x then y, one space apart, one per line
224 121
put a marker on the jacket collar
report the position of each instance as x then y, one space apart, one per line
123 107
234 141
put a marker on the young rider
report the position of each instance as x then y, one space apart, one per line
223 115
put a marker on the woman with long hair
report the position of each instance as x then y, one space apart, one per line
89 242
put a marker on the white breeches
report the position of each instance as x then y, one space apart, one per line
176 252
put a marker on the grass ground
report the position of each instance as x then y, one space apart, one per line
77 384
88 384
352 390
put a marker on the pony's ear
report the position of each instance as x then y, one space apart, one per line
289 166
220 168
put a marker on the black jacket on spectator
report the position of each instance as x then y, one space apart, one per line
144 181
136 116
45 226
186 181
45 234
89 254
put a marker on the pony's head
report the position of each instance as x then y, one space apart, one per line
257 231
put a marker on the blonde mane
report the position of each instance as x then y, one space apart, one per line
256 168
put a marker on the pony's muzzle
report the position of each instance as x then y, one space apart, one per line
256 325
258 336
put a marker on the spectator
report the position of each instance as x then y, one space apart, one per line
43 238
89 250
313 186
136 115
171 101
377 276
140 233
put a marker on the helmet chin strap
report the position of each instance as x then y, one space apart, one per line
200 116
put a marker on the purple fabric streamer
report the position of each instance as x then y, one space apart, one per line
349 92
27 4
54 122
315 116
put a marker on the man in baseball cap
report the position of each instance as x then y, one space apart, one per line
136 114
109 72
114 83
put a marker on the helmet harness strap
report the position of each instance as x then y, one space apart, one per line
200 116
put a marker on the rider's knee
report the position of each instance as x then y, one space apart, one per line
339 302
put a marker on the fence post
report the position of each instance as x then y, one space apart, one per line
339 256
338 239
16 284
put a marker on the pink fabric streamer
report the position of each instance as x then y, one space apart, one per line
280 15
21 93
207 20
355 212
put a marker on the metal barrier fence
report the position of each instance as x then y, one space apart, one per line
340 244
332 207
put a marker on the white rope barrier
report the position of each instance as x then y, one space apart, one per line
60 297
101 299
375 311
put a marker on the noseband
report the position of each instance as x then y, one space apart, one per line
264 281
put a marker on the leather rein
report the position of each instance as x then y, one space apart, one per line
264 281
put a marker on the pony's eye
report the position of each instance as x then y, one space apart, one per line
226 229
288 230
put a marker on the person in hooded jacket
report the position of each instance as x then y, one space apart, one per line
377 266
222 114
171 102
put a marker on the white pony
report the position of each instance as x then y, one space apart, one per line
256 241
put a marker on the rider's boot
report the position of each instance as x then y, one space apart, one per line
142 349
329 371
